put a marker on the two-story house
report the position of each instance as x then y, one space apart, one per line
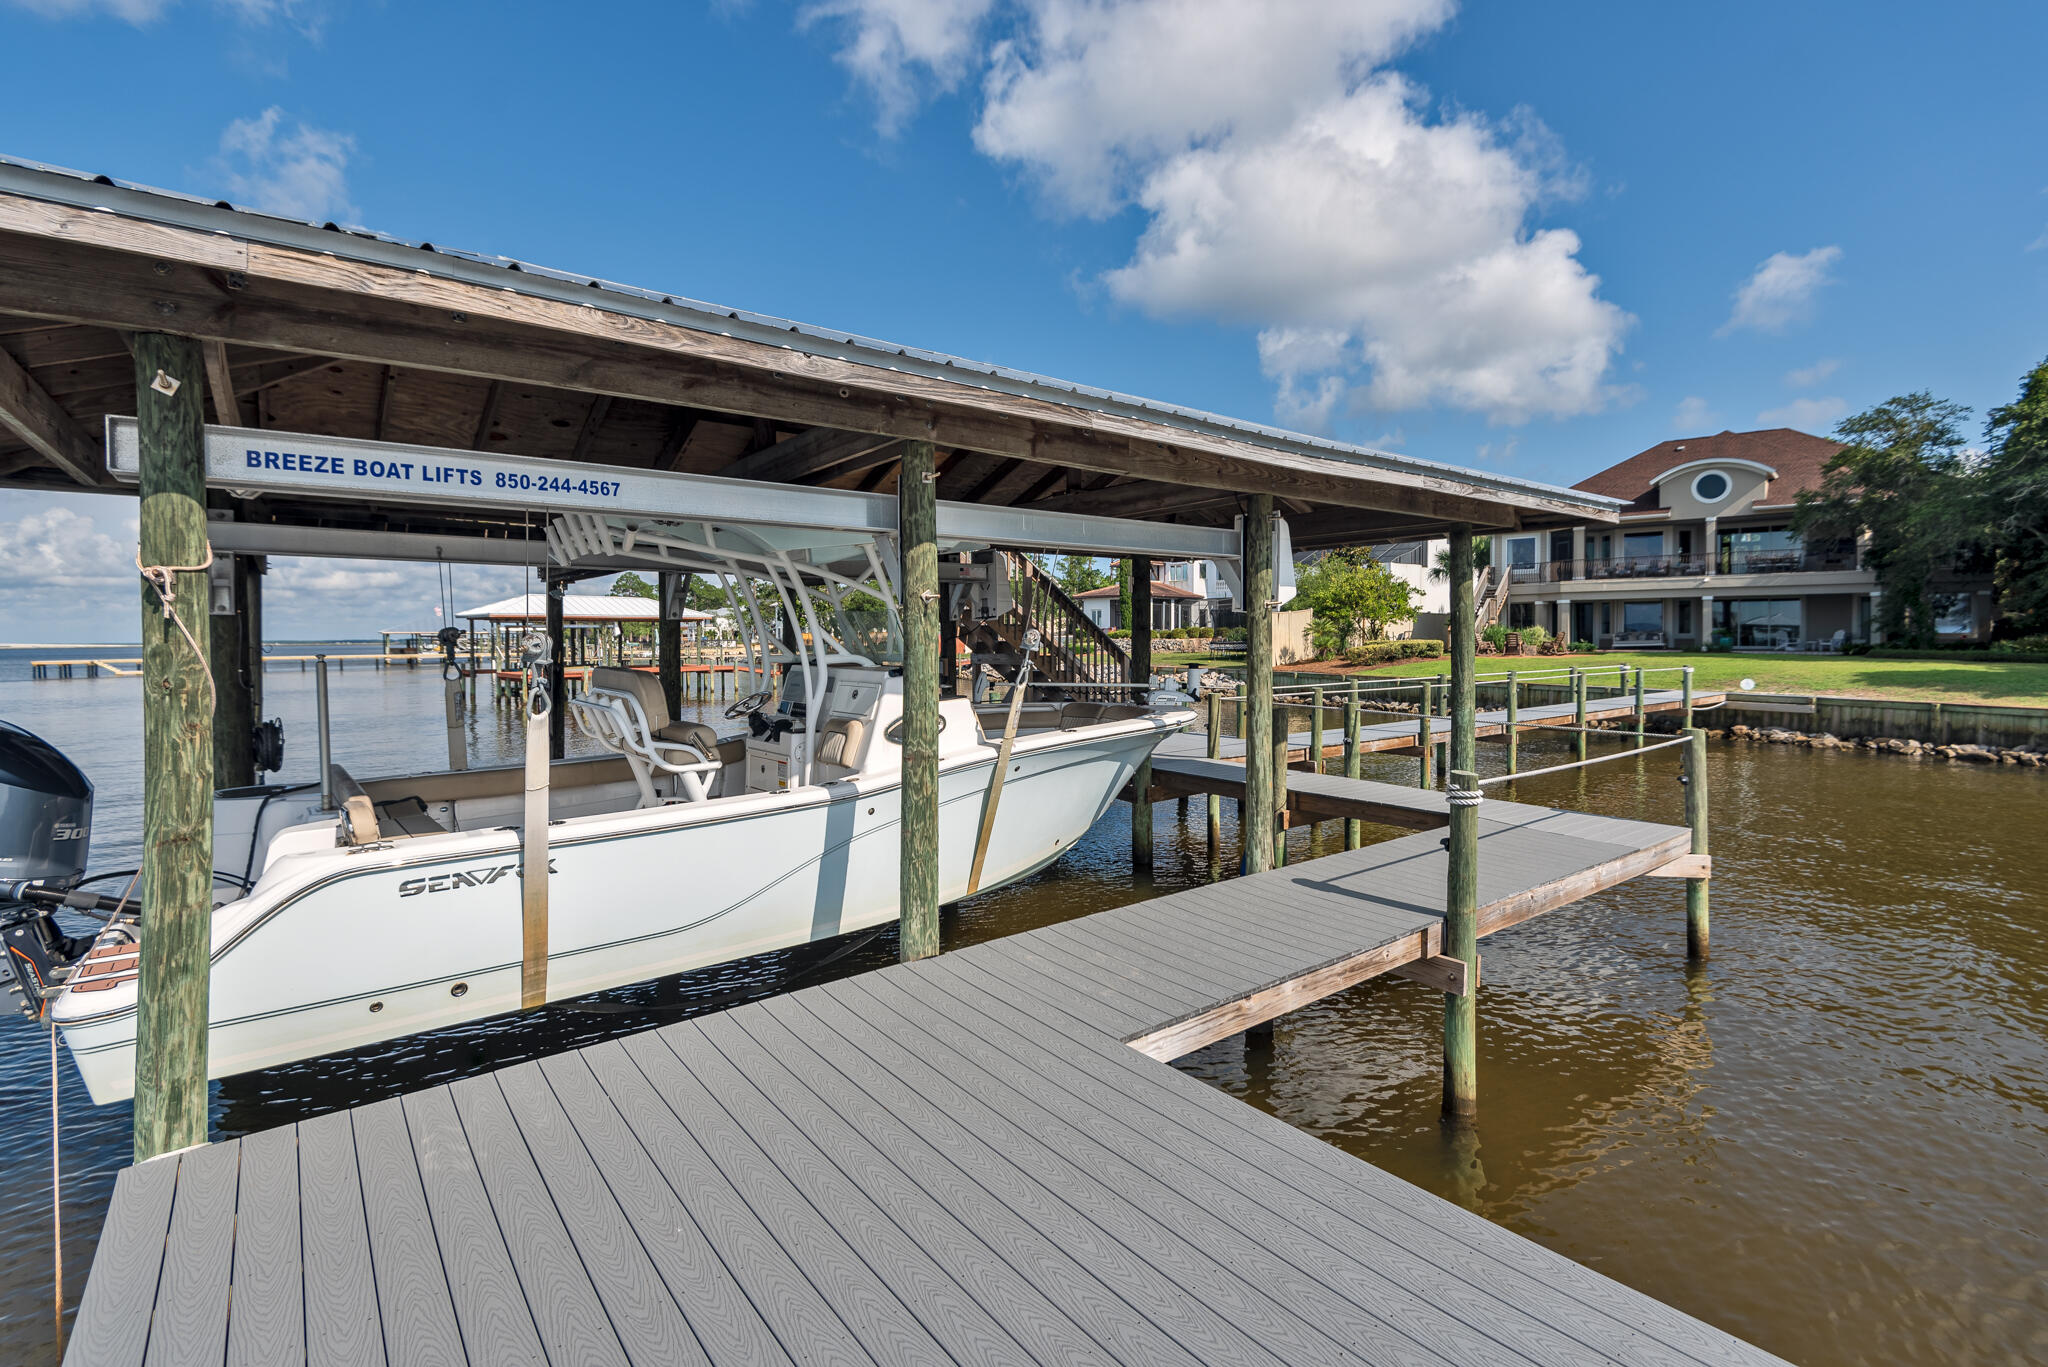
1705 551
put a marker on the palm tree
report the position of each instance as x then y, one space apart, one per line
1440 568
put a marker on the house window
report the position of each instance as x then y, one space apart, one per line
1710 486
1759 550
1952 615
1522 557
1758 623
1642 619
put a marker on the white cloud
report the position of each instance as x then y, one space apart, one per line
897 49
1092 95
298 174
1288 182
1497 453
1808 415
60 548
1692 415
1806 377
1780 292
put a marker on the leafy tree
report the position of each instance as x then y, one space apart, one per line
1349 592
1904 477
1123 594
2015 488
1078 573
631 585
1482 556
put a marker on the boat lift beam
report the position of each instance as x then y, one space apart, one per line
252 462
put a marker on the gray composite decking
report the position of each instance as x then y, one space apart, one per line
962 1160
1376 737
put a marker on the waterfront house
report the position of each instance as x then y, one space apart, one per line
1705 553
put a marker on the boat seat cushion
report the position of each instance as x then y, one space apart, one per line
643 687
839 742
694 733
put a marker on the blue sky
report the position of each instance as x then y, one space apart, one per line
1532 238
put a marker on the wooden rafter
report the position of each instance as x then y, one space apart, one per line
220 384
818 453
386 388
592 420
681 424
52 433
492 396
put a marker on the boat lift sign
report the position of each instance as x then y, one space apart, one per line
251 461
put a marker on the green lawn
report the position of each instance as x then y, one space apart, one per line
1853 676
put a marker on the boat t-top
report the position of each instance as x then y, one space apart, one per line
366 907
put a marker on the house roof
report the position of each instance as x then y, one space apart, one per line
1160 589
1798 457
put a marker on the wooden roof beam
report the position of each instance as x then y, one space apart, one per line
56 436
819 453
220 384
600 405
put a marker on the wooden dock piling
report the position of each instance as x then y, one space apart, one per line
1260 826
1354 717
1685 707
1425 733
1639 707
1696 818
177 749
235 688
1461 942
1215 739
1579 709
674 587
917 512
1462 748
1141 674
1514 721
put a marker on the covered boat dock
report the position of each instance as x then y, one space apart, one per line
960 1158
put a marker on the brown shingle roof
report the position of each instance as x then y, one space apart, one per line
1796 456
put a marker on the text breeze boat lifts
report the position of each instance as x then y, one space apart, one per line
318 941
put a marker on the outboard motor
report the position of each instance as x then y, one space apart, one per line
45 828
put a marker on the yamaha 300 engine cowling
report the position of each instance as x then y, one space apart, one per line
45 828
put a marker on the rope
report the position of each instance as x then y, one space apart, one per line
1580 764
1464 797
160 578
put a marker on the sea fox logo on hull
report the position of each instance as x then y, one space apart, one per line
462 878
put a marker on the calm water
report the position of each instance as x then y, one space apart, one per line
1830 1141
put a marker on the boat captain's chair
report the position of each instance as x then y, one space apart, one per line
624 711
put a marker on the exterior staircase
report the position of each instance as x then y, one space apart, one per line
1491 596
1072 649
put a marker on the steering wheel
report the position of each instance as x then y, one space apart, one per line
752 703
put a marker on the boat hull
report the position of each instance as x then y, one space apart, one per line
425 933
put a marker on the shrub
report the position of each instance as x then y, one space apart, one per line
1237 635
1119 633
1496 636
1533 637
1583 647
1382 652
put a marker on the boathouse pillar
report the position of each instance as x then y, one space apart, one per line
177 748
558 677
1464 745
237 691
1141 675
1461 941
674 596
917 514
1261 832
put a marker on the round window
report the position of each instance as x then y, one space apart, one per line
1710 487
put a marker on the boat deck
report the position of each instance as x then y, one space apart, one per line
976 1158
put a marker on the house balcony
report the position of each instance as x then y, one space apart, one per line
1614 568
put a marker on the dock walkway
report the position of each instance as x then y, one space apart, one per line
1378 737
978 1158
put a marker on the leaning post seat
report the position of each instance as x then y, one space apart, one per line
624 711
